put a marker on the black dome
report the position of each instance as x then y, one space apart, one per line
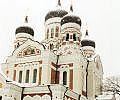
56 13
87 43
71 19
25 29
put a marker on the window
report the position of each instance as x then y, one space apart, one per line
57 31
27 76
20 76
34 75
64 78
67 37
47 33
52 33
74 37
14 76
71 36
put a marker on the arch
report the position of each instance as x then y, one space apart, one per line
27 97
27 76
74 37
67 37
28 43
52 32
20 76
46 97
34 75
37 97
64 78
57 31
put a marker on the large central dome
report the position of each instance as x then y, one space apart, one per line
58 12
55 13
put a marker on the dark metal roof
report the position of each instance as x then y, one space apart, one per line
87 43
71 19
56 13
25 29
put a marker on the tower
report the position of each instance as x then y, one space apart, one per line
70 59
70 29
53 26
22 33
88 46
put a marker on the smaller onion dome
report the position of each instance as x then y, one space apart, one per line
87 42
25 29
70 18
56 13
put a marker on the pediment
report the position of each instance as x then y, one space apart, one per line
30 47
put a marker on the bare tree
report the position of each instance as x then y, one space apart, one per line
112 84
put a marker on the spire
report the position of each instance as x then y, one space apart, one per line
59 3
86 33
26 19
71 8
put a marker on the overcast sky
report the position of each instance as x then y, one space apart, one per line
101 16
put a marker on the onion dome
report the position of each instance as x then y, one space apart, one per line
87 42
56 13
70 18
25 29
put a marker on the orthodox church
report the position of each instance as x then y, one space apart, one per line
61 67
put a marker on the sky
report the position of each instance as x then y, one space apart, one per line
102 18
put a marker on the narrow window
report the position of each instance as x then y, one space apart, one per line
14 76
71 36
52 33
47 33
64 78
20 76
34 75
27 76
67 37
74 37
57 31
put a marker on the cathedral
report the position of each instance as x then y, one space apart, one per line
61 67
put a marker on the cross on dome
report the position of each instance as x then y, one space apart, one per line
86 32
71 8
26 19
59 3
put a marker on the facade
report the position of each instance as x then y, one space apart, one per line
61 67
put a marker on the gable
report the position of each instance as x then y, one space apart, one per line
30 47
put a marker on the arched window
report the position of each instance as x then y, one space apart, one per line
52 32
27 76
74 37
34 75
67 37
20 76
47 33
64 78
57 31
